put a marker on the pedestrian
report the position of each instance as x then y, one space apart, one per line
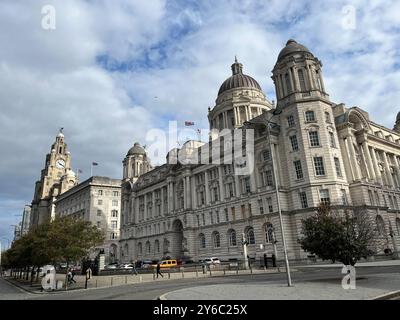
265 261
134 268
69 276
159 270
72 276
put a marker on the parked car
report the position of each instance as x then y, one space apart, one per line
126 266
76 268
167 264
112 266
147 264
212 260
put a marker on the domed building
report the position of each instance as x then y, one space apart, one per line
306 149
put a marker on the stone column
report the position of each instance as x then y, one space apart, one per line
184 193
194 196
188 193
369 161
364 159
291 80
387 169
162 201
153 198
376 166
237 186
221 184
349 164
207 187
353 158
145 207
310 78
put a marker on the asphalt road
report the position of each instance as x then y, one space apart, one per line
152 290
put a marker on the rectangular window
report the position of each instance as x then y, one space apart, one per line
249 208
303 199
217 215
266 155
99 212
298 169
226 215
268 178
243 211
115 193
319 166
233 214
100 192
99 202
230 189
293 142
270 206
337 166
332 140
327 117
260 206
211 218
344 196
301 80
310 116
377 198
324 196
391 204
115 203
114 213
246 185
204 219
290 121
314 138
98 224
114 225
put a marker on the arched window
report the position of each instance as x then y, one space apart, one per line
140 249
148 247
202 241
157 246
232 238
250 235
269 233
216 239
398 225
381 225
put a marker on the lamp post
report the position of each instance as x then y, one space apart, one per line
289 279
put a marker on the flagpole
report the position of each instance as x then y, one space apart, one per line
91 170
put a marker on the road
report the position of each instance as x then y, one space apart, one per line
152 290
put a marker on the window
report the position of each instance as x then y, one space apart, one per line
211 218
113 236
100 192
216 240
139 248
148 247
302 82
314 138
269 233
371 198
249 208
324 196
202 199
377 198
337 166
246 183
232 238
266 155
98 224
260 206
344 196
230 189
269 204
202 241
115 203
217 215
215 194
381 225
115 193
290 121
114 225
293 142
298 169
303 199
114 213
327 117
332 140
391 202
310 116
99 202
288 84
203 218
268 178
243 211
233 213
319 166
250 236
99 212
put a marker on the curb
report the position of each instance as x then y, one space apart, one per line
387 296
20 287
162 297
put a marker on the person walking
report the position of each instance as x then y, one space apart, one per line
159 270
134 271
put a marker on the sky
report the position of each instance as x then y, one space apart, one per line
109 72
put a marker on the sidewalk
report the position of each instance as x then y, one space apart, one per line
380 263
129 279
331 289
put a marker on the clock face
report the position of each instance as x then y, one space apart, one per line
60 163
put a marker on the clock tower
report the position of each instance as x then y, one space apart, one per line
56 178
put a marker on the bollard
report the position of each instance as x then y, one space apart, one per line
183 275
96 283
224 271
111 281
169 275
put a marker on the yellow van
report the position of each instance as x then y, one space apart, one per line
167 264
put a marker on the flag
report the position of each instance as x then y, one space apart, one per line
95 164
189 123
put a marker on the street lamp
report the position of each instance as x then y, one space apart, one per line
274 113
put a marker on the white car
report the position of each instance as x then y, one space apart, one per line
212 260
126 266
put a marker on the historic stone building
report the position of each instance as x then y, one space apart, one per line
98 200
56 178
323 152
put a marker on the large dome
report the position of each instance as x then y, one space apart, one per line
136 149
292 47
238 80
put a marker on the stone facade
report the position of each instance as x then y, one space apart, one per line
97 200
322 151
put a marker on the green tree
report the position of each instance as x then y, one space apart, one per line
345 236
